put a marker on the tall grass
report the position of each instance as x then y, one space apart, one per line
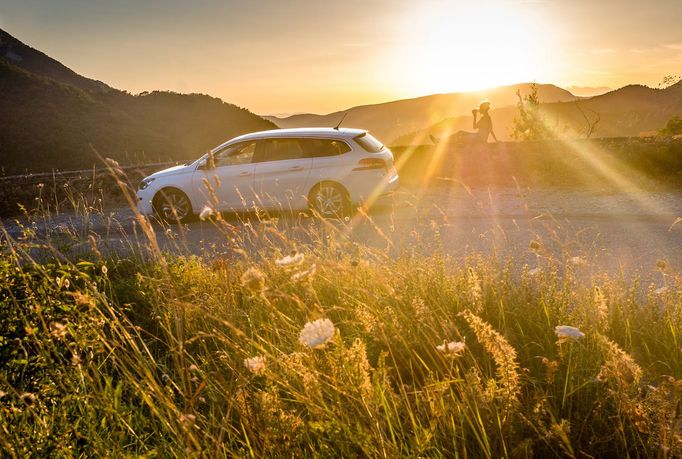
110 353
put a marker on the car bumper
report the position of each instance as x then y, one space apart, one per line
144 202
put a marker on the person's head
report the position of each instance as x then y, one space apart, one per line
484 107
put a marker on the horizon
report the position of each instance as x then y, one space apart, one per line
334 60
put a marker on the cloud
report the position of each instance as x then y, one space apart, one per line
603 51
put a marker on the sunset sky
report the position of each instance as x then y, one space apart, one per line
321 55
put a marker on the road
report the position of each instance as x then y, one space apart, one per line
615 232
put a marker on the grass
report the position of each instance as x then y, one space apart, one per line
144 353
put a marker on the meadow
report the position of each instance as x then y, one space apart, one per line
329 349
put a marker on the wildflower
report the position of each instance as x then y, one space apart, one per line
293 259
316 334
661 290
534 245
254 280
75 360
255 364
454 348
66 283
205 213
2 393
193 368
567 333
661 264
40 186
304 274
105 270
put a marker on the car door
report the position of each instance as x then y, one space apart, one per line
281 174
234 171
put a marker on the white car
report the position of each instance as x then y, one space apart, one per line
326 169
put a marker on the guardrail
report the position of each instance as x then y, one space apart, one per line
93 171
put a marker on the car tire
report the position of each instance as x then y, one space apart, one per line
173 206
329 200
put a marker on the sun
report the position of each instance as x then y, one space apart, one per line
453 46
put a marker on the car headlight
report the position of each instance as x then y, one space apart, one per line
146 182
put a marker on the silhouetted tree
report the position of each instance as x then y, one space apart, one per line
530 124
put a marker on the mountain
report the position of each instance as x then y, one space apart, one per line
52 118
624 112
393 119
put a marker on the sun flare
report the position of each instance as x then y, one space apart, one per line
458 47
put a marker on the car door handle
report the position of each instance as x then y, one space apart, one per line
244 174
296 168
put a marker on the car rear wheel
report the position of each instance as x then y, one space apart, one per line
173 206
330 200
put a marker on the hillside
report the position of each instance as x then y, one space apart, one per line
392 119
624 112
50 117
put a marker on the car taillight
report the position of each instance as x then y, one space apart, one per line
366 164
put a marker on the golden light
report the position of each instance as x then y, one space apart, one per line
458 46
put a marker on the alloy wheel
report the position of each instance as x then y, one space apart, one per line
329 201
174 206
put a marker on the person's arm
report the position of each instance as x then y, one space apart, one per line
492 132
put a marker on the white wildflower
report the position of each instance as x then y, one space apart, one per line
316 334
293 259
452 348
105 270
567 333
255 364
304 274
205 213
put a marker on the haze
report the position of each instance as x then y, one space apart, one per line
321 56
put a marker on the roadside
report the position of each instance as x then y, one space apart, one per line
616 232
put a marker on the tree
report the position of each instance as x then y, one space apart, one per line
674 126
530 124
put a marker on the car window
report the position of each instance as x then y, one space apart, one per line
282 149
369 143
317 148
233 155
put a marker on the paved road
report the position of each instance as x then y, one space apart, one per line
617 232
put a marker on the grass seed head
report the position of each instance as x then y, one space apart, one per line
253 279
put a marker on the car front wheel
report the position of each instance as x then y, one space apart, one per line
173 206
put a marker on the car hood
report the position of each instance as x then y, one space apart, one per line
175 170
